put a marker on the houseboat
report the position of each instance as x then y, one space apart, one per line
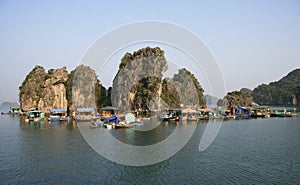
85 114
242 113
282 113
189 114
260 111
170 115
58 115
13 110
205 114
35 115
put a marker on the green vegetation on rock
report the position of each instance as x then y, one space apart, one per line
282 92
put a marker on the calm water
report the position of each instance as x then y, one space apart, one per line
257 151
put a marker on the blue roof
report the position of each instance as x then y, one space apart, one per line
58 110
85 109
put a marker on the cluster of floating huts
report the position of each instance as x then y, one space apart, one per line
190 114
108 115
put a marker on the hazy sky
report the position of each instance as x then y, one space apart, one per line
254 42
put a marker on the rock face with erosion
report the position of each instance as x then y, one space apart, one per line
83 88
30 90
138 85
43 90
138 80
53 94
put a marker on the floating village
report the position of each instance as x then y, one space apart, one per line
109 117
58 96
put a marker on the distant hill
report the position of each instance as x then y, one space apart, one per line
237 98
9 104
211 101
286 91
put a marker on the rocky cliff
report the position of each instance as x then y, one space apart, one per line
43 90
83 87
56 89
189 89
31 88
53 90
169 94
139 83
236 99
138 86
138 79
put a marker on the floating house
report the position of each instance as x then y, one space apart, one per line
171 115
205 114
283 113
85 114
15 110
260 111
242 113
58 115
108 111
35 115
189 114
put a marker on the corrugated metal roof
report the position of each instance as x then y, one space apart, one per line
109 108
58 110
85 109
